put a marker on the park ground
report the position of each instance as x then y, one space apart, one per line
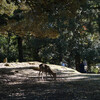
20 82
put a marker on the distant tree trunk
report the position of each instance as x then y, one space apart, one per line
9 34
60 52
60 55
89 66
99 23
20 49
36 56
77 61
69 62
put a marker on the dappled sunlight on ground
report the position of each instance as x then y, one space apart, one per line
22 83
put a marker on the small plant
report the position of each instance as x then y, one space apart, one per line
96 70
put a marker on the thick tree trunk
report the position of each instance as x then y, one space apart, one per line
69 62
77 62
89 66
20 49
36 56
8 45
99 23
60 52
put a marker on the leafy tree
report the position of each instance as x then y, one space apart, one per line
77 34
48 14
18 17
8 47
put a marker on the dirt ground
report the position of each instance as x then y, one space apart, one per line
24 84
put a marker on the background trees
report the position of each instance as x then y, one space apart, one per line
50 31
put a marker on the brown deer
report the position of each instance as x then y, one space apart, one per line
46 69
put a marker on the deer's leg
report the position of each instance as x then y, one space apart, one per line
46 75
39 75
42 76
54 77
51 76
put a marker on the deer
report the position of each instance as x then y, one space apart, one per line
43 68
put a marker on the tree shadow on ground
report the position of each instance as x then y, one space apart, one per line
86 87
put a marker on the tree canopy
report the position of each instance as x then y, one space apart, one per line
41 18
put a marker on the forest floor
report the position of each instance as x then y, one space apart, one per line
18 81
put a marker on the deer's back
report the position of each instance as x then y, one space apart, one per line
43 67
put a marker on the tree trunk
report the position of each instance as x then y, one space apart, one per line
89 66
99 23
60 52
20 49
69 62
9 34
77 62
36 56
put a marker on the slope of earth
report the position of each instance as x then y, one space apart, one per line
18 81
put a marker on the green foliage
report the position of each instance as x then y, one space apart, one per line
74 25
8 48
49 53
45 23
95 70
6 8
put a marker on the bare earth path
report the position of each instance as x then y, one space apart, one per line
18 83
